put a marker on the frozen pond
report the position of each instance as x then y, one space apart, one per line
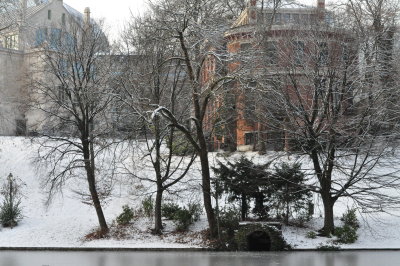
135 258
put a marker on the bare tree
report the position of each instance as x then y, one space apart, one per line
374 24
151 79
318 103
71 91
195 25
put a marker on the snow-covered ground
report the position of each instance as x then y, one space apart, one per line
66 221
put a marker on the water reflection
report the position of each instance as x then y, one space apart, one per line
353 258
101 261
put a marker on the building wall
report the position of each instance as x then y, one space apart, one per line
18 66
11 77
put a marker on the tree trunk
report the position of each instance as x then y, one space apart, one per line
287 205
92 188
329 225
157 212
206 186
287 213
244 207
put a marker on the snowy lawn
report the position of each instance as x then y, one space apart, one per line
67 220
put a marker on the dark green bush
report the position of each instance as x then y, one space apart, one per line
180 146
346 234
183 219
229 219
349 218
328 247
228 222
169 209
302 218
10 214
195 210
126 216
10 210
244 181
148 207
290 195
311 235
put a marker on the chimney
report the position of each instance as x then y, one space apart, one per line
24 7
86 18
321 4
252 3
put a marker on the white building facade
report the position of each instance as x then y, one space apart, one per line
23 32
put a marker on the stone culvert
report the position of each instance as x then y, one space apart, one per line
259 237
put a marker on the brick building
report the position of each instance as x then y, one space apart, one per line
266 41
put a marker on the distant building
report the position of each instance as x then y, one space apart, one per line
24 31
268 31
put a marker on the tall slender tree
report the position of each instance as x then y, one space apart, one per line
155 79
71 90
195 25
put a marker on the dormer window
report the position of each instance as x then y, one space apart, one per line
49 14
286 18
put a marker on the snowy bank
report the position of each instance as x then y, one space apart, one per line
67 220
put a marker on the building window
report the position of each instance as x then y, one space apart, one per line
268 18
286 18
250 138
63 18
245 46
55 38
20 127
250 103
305 19
275 141
320 84
278 18
41 36
313 19
11 42
323 53
345 53
296 18
49 14
298 52
62 95
271 53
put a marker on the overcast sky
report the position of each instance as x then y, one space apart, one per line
116 12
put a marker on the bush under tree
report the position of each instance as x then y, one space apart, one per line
347 233
290 193
182 217
10 210
126 216
148 207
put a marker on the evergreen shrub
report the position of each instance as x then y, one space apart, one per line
126 216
